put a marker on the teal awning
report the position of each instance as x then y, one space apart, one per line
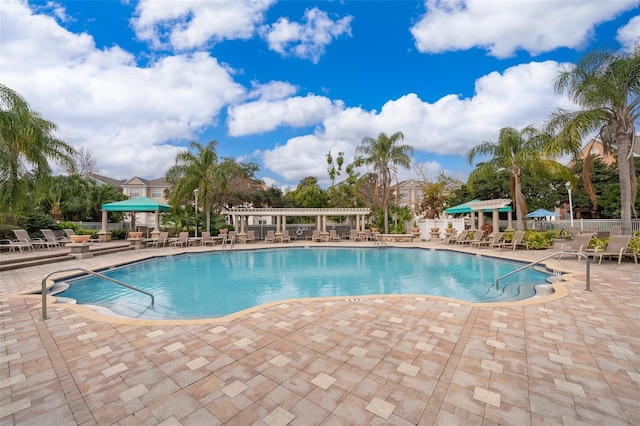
466 208
140 204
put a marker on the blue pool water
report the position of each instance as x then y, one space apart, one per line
216 284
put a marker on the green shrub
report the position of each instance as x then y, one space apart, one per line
118 234
538 240
69 225
599 243
508 236
5 231
634 244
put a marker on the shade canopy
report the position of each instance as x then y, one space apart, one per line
469 206
140 204
541 213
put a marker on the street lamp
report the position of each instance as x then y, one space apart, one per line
195 192
568 185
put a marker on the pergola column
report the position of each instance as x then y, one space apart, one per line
496 222
473 220
510 220
104 222
318 223
284 223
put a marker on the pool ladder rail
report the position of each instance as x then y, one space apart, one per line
95 274
560 253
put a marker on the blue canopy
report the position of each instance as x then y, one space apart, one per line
542 213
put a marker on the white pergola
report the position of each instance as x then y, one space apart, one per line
240 215
494 206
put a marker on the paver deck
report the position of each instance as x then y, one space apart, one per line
395 360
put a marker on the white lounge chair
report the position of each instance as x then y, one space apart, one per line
270 237
160 242
23 236
251 237
333 235
285 237
50 238
617 246
182 240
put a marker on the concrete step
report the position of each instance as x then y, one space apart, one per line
44 258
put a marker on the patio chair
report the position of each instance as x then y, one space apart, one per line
182 240
251 237
12 245
22 235
492 240
285 237
50 238
450 236
573 232
353 235
315 236
460 239
592 230
161 241
333 235
618 246
516 241
478 235
270 237
578 245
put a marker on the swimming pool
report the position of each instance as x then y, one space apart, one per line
215 284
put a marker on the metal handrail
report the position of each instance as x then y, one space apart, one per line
588 267
95 274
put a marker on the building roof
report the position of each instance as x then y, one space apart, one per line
104 180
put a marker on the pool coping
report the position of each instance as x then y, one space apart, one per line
94 313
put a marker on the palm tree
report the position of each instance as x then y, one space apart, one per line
385 154
26 143
199 169
606 86
519 152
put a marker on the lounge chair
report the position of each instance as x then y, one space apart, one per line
617 246
461 238
50 238
333 235
285 237
12 245
353 235
315 236
616 230
578 245
22 235
516 241
160 242
478 236
450 236
573 232
182 240
251 237
492 240
592 230
270 237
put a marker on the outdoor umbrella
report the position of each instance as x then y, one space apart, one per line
541 213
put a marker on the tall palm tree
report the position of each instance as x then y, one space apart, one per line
606 86
198 169
385 154
519 152
26 143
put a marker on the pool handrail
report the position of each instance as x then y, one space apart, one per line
588 267
95 274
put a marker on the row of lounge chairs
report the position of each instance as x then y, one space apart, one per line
493 240
24 241
618 246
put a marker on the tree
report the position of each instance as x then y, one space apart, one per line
436 195
197 170
27 142
518 152
385 154
308 194
606 86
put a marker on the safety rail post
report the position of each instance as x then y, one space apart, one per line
586 258
95 274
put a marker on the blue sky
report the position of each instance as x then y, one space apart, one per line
283 83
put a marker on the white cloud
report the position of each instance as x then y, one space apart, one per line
189 24
522 95
502 27
307 40
127 115
262 116
272 91
629 35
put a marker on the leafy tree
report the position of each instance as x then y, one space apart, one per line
436 195
199 169
606 86
518 152
26 142
308 194
242 185
385 154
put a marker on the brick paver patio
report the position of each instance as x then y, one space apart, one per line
394 360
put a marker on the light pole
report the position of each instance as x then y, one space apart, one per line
195 192
568 185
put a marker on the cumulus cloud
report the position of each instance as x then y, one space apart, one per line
189 24
271 91
629 35
102 100
306 40
520 96
262 116
502 27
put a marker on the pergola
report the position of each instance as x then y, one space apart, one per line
139 204
493 206
240 215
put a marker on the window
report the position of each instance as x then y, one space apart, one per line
262 221
156 193
134 193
